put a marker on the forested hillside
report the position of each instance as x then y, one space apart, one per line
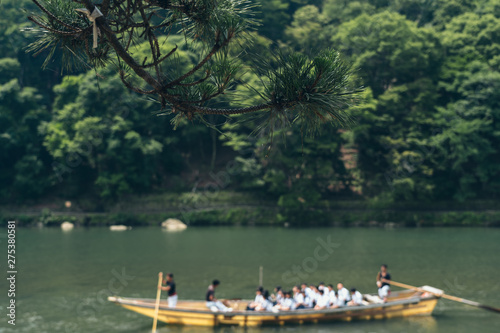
425 128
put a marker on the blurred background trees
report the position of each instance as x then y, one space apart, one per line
426 127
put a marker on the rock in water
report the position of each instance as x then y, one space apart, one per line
173 225
67 226
119 228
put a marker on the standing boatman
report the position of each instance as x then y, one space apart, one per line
384 288
170 289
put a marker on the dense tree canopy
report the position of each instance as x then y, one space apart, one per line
425 128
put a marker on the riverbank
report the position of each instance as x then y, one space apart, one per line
236 208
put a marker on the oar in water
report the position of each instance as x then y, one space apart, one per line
157 305
452 298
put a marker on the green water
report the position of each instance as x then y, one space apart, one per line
64 278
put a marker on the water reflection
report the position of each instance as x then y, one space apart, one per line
61 271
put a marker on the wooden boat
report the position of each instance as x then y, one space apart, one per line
195 313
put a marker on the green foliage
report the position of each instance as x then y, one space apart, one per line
107 138
469 139
389 49
24 171
12 20
425 128
338 11
274 15
9 67
306 29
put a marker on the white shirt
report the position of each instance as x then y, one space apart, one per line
266 304
339 303
357 297
287 303
323 300
298 298
308 302
308 291
343 295
259 298
315 296
333 298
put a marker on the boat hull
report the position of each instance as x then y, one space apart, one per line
194 313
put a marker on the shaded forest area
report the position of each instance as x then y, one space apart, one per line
425 130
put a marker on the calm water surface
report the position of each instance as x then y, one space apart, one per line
64 278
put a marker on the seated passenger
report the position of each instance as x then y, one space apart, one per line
287 303
332 294
265 304
321 286
258 299
356 298
308 301
323 301
298 298
314 294
343 294
335 302
277 296
306 289
280 296
212 303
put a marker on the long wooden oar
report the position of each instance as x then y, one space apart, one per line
157 305
451 298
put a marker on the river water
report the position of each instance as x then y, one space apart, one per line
64 278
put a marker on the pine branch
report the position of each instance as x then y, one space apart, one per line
120 51
228 112
160 60
136 89
195 82
55 31
214 50
295 89
53 17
